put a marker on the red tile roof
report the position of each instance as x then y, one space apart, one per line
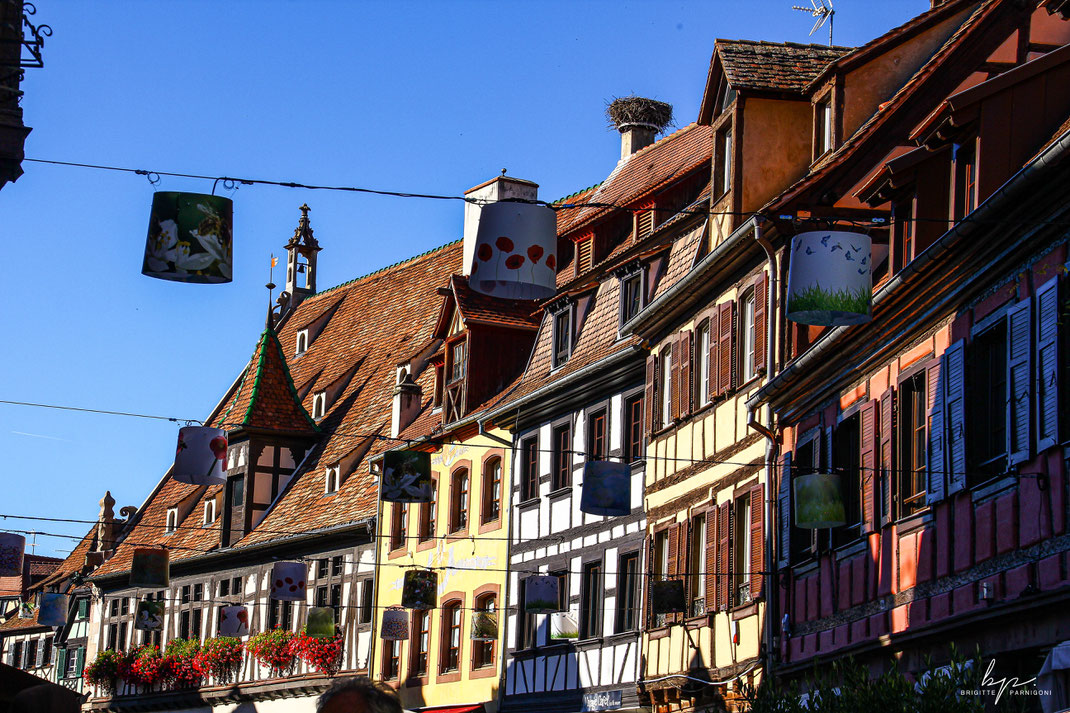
483 309
32 566
776 66
16 624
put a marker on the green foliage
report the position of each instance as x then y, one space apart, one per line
817 299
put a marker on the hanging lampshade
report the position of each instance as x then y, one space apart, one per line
818 501
320 624
406 477
516 251
830 280
606 488
189 238
420 590
12 547
484 626
26 610
149 615
563 625
395 625
667 596
234 621
53 609
201 456
541 594
149 568
289 581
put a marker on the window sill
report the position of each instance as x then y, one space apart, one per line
414 681
490 525
697 622
448 676
850 549
424 545
992 489
560 492
525 504
659 632
485 671
742 611
914 522
461 534
395 554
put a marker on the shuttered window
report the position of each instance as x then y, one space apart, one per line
936 390
761 297
868 476
724 562
955 405
913 445
1047 365
784 512
725 360
756 559
887 453
846 458
584 255
696 566
644 223
986 392
1019 382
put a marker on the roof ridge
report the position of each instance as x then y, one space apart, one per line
573 195
383 269
785 43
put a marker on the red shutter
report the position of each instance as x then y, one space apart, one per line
868 473
683 566
711 372
674 380
649 580
757 539
711 559
724 538
724 347
651 392
686 388
887 453
761 290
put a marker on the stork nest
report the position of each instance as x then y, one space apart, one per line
639 110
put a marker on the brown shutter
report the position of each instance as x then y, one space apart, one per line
761 289
711 372
868 471
757 539
724 347
724 538
651 392
674 561
649 579
674 379
711 559
683 540
687 390
887 453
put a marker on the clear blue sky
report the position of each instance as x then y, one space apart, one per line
410 96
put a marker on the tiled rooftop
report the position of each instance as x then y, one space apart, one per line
775 66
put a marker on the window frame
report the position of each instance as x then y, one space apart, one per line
529 464
597 435
491 486
399 527
703 365
172 521
391 660
911 443
747 350
824 138
628 582
847 463
301 342
633 408
560 352
319 405
561 456
724 168
995 403
420 646
483 652
449 659
332 480
628 282
592 595
664 390
696 562
210 506
460 498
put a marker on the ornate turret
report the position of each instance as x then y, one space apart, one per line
301 261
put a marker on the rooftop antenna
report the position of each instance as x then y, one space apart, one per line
822 10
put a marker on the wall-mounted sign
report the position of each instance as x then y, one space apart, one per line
602 701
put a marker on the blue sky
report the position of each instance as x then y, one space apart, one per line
408 96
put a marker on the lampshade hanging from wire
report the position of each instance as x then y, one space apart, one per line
150 568
830 281
516 251
201 456
189 238
320 624
12 551
420 590
542 594
606 488
406 477
289 581
149 615
818 501
52 609
395 625
233 621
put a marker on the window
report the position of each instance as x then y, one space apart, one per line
805 462
525 623
584 255
666 386
451 636
399 526
846 461
83 609
75 659
561 476
596 436
391 659
987 396
46 651
280 615
230 586
912 445
366 588
457 361
823 128
333 481
322 567
724 152
483 651
336 566
16 655
591 597
319 404
562 336
459 500
702 378
631 296
627 592
747 337
741 550
427 515
302 342
209 511
644 222
633 429
905 214
529 463
31 653
421 641
172 520
965 179
696 565
491 505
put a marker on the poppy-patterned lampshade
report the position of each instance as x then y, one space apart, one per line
320 623
234 621
189 238
406 477
818 501
12 547
830 279
201 456
149 616
289 581
563 625
541 594
484 626
516 251
420 590
606 488
395 625
53 609
667 597
26 610
150 568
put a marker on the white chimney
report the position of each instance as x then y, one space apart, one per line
497 189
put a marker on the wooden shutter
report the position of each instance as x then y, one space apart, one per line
868 472
673 567
1019 379
955 405
683 569
784 509
61 664
935 460
761 290
757 539
1047 367
711 559
79 661
651 393
724 539
724 347
887 453
645 222
648 614
686 387
712 372
674 379
585 254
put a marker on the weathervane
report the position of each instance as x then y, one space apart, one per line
822 10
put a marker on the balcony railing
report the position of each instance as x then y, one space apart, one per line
743 594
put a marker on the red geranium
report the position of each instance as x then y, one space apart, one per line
275 650
177 667
145 667
324 655
221 658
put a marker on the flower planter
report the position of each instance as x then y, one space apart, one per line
320 624
52 609
220 658
606 489
145 668
395 625
288 581
149 616
564 626
667 597
830 280
541 594
103 671
323 654
12 547
420 590
406 477
515 252
201 456
234 621
484 626
149 568
179 664
189 238
818 501
275 650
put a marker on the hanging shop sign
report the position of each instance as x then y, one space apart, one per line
830 280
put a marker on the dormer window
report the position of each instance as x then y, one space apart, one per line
302 342
631 296
965 194
210 513
172 520
562 336
822 128
319 404
457 361
333 480
724 161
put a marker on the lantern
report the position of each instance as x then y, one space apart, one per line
288 581
541 594
234 621
26 610
189 238
516 251
606 488
406 477
484 626
201 456
320 624
667 597
149 568
52 610
12 547
563 625
818 501
420 590
395 625
149 615
830 282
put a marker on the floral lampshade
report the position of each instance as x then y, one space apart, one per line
406 477
485 626
607 488
420 590
189 238
818 501
320 623
289 581
53 609
667 597
201 456
234 621
149 616
830 280
516 251
563 625
12 547
541 594
150 568
26 610
395 625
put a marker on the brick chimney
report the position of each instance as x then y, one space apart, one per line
497 189
639 120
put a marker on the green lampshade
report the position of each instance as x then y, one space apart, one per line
818 501
320 622
189 238
150 568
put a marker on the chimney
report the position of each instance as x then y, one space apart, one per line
638 120
406 405
497 189
634 137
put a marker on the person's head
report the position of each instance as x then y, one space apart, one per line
358 695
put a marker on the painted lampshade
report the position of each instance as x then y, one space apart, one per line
406 477
667 596
320 624
395 625
484 626
541 594
420 590
201 456
189 238
607 488
26 610
150 568
516 251
53 609
818 501
234 621
563 625
12 547
289 581
149 616
830 281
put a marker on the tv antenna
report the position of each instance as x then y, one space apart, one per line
822 10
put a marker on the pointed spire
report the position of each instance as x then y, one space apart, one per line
301 260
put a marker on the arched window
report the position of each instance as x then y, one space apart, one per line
459 500
483 651
209 511
491 506
172 520
451 636
319 404
302 342
333 480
